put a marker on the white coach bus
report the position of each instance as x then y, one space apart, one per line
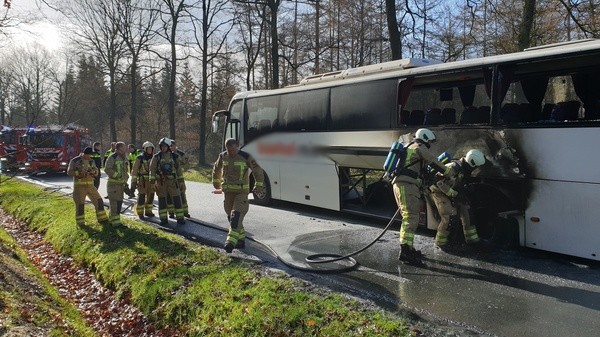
534 114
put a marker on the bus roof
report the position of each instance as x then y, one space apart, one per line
411 67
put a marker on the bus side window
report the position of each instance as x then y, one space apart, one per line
304 111
262 113
364 106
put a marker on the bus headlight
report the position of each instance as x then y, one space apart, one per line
63 163
3 159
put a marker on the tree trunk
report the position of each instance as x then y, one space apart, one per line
113 105
274 6
172 85
392 23
526 24
317 36
134 107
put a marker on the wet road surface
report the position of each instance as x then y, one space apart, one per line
476 292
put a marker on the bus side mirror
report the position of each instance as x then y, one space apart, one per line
217 118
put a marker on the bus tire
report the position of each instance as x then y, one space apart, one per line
486 202
265 198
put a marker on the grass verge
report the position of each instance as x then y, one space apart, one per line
201 174
29 305
194 288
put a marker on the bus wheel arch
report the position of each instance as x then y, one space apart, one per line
487 202
265 198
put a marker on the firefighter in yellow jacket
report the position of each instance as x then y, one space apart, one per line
184 162
83 170
407 184
449 201
140 179
164 172
117 169
230 176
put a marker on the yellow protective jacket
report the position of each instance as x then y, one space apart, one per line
417 157
117 169
184 161
453 181
141 169
83 171
230 173
165 165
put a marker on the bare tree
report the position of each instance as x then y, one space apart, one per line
209 27
97 32
66 99
172 12
526 24
394 32
251 34
584 14
6 78
271 19
136 24
32 83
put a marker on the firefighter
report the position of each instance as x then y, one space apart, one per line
117 169
184 162
164 172
407 184
140 177
133 154
97 157
230 176
109 152
449 201
83 170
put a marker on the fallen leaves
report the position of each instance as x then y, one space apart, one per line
103 311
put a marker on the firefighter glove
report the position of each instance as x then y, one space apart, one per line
259 191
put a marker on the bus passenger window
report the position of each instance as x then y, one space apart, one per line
304 111
364 106
262 113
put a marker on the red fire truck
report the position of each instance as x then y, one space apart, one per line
12 154
52 148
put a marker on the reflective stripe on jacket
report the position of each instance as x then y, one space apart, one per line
82 171
117 169
165 165
231 173
417 157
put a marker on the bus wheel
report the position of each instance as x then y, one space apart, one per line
263 198
486 202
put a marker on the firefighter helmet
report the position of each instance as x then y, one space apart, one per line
165 141
475 158
147 144
425 135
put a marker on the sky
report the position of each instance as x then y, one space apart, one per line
35 25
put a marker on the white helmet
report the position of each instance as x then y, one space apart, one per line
147 144
475 158
165 141
425 135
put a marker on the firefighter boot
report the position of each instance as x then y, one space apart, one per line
228 247
410 255
241 244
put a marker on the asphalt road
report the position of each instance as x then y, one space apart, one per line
490 292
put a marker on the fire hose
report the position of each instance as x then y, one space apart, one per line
323 257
